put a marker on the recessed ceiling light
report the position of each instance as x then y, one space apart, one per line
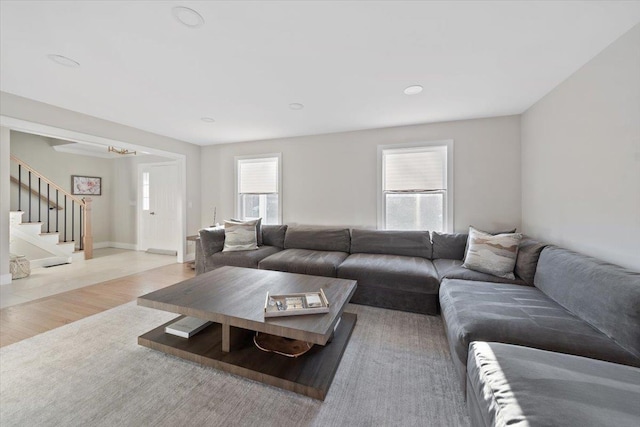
63 60
413 90
188 17
207 119
296 106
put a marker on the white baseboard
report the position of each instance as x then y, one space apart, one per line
5 279
118 245
189 257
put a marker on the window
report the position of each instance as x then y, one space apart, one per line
416 187
258 188
145 191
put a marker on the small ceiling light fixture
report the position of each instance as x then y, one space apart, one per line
413 90
187 17
63 60
296 106
122 151
207 119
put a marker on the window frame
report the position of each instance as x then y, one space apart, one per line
237 199
448 194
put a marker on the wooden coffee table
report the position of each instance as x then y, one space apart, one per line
233 298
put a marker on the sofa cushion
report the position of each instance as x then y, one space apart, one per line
453 269
605 295
527 260
240 236
249 259
408 274
273 235
318 238
492 254
211 240
405 243
449 246
513 385
305 261
523 315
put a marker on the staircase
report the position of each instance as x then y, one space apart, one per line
48 225
41 249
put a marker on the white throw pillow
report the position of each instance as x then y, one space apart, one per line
240 236
492 254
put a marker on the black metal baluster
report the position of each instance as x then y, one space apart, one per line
57 210
73 225
65 217
48 203
81 231
39 202
20 188
29 196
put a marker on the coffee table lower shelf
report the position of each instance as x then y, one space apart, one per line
310 374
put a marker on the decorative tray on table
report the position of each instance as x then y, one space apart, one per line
296 304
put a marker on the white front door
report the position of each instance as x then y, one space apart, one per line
158 207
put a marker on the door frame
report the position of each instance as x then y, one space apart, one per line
99 141
139 219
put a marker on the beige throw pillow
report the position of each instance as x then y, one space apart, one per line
240 236
258 228
491 254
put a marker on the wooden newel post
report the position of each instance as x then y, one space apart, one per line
88 236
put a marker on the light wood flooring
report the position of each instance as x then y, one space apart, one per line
31 318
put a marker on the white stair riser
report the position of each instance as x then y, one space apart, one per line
67 247
15 217
33 228
52 238
46 262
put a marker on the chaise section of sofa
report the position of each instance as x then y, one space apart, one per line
393 270
510 385
315 251
523 315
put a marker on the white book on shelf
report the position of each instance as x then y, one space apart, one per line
186 327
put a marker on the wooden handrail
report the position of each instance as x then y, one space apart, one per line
52 205
48 181
84 203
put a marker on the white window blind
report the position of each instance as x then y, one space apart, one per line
415 170
415 187
258 176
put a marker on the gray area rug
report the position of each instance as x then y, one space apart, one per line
395 371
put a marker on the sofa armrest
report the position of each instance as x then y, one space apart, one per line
210 242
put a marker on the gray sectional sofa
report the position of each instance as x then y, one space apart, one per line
400 270
511 385
558 345
578 305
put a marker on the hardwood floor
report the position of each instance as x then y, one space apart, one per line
25 320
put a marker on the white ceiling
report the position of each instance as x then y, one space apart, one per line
347 62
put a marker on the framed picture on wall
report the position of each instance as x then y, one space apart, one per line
86 185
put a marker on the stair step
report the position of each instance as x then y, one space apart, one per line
52 238
15 217
67 247
34 228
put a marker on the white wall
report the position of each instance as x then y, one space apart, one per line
331 179
38 112
5 161
581 158
36 151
